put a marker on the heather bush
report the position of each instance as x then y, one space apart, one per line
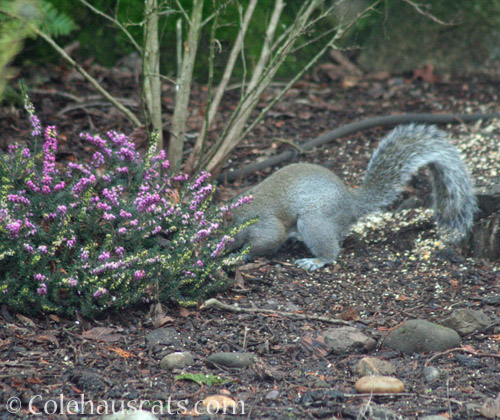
105 233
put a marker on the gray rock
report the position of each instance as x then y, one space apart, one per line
346 340
177 360
431 374
374 366
419 336
164 336
375 412
231 360
466 321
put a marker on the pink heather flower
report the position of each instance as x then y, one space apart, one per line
201 179
82 184
122 231
14 228
199 263
108 216
104 206
60 186
72 282
32 186
98 159
243 200
39 277
221 246
42 290
156 230
101 291
134 222
139 274
70 243
19 199
62 209
147 202
127 153
125 214
12 148
42 249
181 177
84 256
95 140
29 248
122 170
120 251
104 256
113 195
27 153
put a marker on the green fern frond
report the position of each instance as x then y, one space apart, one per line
55 23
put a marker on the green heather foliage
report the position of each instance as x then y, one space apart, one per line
115 232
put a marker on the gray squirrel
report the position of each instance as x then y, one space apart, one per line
310 203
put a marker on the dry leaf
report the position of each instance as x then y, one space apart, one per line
106 334
120 352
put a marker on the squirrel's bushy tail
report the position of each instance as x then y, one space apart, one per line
400 154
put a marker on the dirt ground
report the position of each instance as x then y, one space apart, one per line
385 275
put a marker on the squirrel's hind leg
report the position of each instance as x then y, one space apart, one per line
321 236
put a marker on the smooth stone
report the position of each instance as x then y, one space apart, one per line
466 321
419 336
378 384
177 360
374 366
348 340
231 359
165 336
431 374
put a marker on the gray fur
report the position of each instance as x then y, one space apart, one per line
309 202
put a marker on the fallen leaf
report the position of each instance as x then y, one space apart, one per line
120 352
25 320
105 334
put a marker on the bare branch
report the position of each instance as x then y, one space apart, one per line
428 14
115 22
87 76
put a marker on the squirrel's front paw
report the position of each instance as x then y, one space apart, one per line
311 264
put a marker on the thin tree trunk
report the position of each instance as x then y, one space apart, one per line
151 69
183 87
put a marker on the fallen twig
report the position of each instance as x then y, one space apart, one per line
218 304
474 353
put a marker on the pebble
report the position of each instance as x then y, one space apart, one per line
177 360
466 321
216 403
431 374
165 336
378 384
348 340
374 366
231 359
420 336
